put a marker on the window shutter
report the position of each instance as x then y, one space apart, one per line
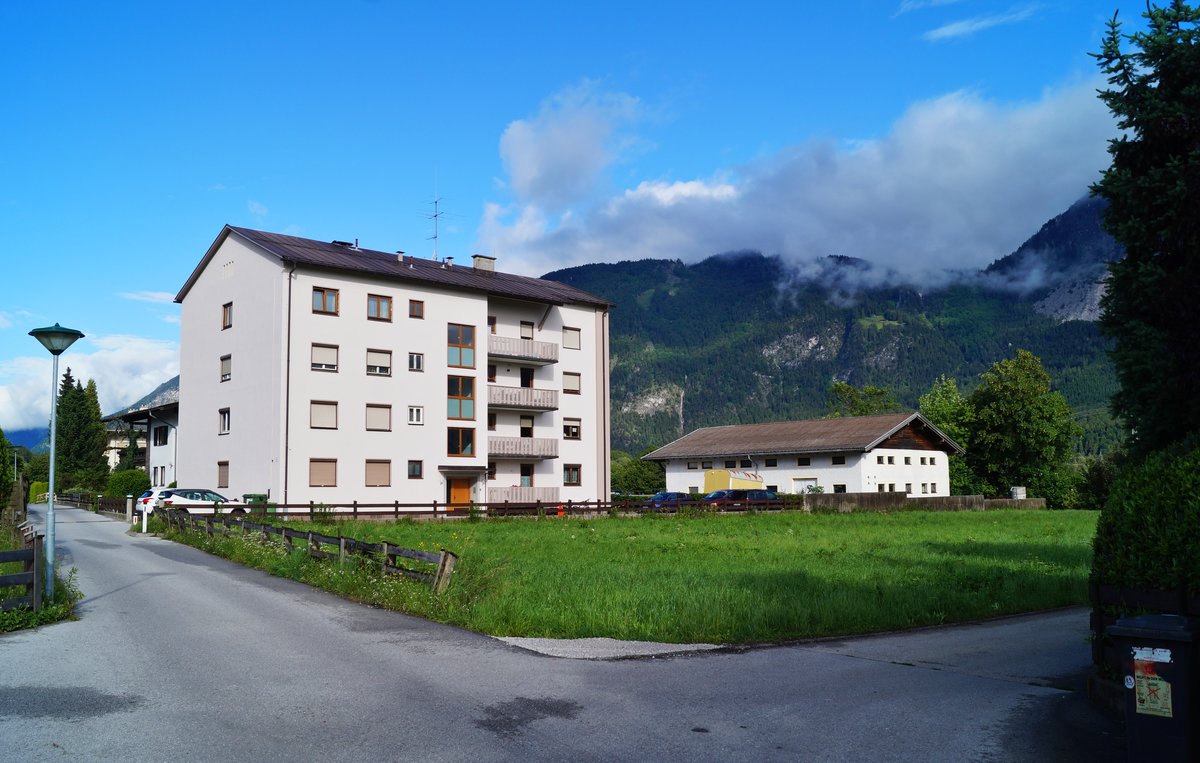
323 415
324 356
379 362
322 473
379 473
379 417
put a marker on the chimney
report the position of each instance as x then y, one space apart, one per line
483 262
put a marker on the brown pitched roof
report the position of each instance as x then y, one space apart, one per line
855 433
343 257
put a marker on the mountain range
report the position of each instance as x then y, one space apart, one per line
744 337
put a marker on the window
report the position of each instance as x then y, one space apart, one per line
226 315
572 474
772 462
773 488
491 324
527 329
379 308
891 460
706 464
416 470
571 383
881 487
837 460
526 475
160 435
491 472
222 473
746 463
460 346
491 373
223 421
460 397
923 460
527 426
731 464
908 460
891 487
379 363
573 430
879 459
460 442
933 487
379 418
908 488
416 308
692 464
932 461
570 339
416 415
491 422
803 461
416 361
839 488
226 367
325 301
322 472
924 488
324 357
527 378
322 414
379 473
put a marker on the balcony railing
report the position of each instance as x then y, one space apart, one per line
523 350
522 398
498 495
522 447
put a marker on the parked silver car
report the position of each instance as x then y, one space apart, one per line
193 501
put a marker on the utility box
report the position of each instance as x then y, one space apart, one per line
1160 671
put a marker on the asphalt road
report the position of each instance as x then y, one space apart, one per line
181 655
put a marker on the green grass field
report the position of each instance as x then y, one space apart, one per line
724 578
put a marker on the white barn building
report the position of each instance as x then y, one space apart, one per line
319 371
900 452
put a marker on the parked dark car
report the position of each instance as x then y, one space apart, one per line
722 499
669 499
762 495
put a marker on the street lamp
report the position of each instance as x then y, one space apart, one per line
56 339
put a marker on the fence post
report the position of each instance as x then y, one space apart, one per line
445 568
341 550
312 547
396 510
128 508
383 567
36 593
435 509
356 508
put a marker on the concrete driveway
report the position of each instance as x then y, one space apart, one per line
182 655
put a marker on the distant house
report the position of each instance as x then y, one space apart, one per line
156 419
892 453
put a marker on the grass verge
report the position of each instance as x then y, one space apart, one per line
719 578
61 607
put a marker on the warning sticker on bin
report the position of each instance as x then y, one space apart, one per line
1151 654
1152 691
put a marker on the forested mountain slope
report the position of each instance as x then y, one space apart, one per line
744 338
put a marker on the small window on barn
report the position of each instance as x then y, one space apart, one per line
692 464
879 459
839 460
839 488
803 461
731 464
772 462
908 460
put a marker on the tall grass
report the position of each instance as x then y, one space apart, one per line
734 578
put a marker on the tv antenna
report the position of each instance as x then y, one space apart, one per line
436 216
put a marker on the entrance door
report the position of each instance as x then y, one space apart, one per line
460 492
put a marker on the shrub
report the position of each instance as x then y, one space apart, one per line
1146 537
128 482
37 488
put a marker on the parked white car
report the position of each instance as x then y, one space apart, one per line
148 500
193 501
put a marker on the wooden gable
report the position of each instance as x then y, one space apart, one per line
915 436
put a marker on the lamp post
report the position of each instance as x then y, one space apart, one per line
56 339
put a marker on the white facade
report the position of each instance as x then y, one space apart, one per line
916 472
344 403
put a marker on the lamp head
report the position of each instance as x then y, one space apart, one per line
56 338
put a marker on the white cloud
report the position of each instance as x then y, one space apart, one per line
125 368
957 182
556 157
257 209
157 297
915 5
968 27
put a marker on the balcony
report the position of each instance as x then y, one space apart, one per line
522 398
525 351
523 448
499 495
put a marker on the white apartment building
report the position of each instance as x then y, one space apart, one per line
319 371
891 453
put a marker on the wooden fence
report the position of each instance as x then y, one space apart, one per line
31 575
319 545
1110 603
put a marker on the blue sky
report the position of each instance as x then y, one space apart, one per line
919 134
